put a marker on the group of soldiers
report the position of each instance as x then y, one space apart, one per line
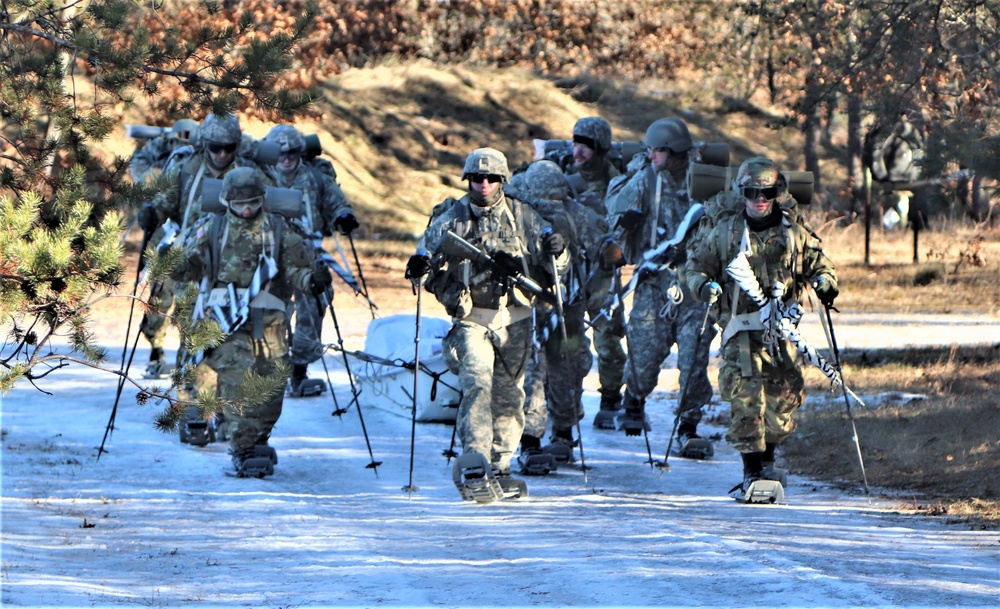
526 262
251 225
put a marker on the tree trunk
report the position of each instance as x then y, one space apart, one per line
855 154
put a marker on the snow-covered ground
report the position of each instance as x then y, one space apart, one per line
157 523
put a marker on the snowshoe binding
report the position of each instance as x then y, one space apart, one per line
305 387
755 488
690 445
248 463
156 369
263 450
561 448
475 480
633 422
513 488
535 462
196 430
610 409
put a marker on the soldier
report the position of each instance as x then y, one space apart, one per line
648 208
326 210
591 174
554 380
156 153
230 249
489 343
760 377
215 155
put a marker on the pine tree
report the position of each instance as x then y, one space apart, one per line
67 72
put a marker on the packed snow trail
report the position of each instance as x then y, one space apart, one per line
157 523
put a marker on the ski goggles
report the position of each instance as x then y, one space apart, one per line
753 193
239 206
216 147
479 178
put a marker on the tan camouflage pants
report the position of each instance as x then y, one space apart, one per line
490 367
762 403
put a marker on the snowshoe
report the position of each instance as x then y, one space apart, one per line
634 422
692 446
475 480
305 387
263 450
221 426
771 472
560 449
156 369
249 464
757 489
513 488
535 462
196 431
605 419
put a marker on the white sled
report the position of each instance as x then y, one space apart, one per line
384 370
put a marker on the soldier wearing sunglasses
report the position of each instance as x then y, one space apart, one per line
761 376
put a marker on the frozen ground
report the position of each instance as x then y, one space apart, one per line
155 523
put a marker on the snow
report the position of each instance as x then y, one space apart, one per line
156 523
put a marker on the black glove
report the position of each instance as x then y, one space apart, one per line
146 218
630 219
345 223
710 292
508 265
418 266
826 290
553 244
321 279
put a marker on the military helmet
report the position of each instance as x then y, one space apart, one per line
759 176
288 137
669 133
595 132
242 187
224 129
184 130
545 180
488 161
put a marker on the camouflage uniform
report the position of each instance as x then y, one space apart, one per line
324 202
556 376
589 183
261 343
664 312
156 153
763 385
489 344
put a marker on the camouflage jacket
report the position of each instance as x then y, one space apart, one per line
322 197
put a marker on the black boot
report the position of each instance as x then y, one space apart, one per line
561 447
633 421
611 403
753 467
532 461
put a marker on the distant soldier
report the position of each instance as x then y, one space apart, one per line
489 343
154 154
761 376
262 260
326 209
648 208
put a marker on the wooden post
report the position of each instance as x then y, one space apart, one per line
868 215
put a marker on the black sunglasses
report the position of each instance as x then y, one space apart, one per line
216 148
492 178
753 193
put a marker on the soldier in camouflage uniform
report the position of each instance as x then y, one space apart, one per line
215 154
760 378
554 381
489 343
589 178
326 210
226 249
647 208
155 154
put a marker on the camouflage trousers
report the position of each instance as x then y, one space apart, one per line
608 336
490 366
652 331
307 345
154 323
250 422
763 402
553 383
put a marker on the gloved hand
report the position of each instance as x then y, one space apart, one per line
417 266
321 279
553 244
612 255
146 218
345 223
710 292
630 219
826 290
508 265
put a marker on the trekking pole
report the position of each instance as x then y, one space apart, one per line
350 378
140 265
361 276
337 410
663 465
418 288
631 361
832 338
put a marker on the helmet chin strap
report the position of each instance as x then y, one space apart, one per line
478 200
